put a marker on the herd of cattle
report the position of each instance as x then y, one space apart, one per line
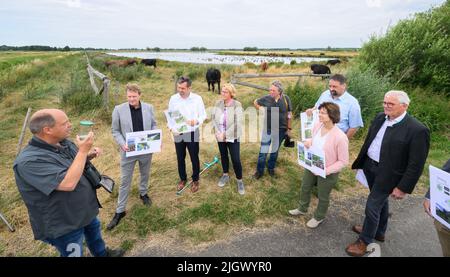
125 63
212 74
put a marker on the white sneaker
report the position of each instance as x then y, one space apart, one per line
296 212
223 180
313 223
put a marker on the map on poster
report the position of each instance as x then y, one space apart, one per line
307 124
440 195
311 159
176 121
145 142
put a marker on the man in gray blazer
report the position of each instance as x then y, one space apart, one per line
132 116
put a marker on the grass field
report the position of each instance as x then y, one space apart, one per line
54 79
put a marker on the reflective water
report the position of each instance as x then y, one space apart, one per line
212 58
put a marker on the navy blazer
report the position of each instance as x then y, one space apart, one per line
403 153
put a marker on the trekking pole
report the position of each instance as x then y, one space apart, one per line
10 227
207 165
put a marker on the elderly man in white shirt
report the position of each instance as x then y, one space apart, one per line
190 106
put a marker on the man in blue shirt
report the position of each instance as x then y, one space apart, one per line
337 93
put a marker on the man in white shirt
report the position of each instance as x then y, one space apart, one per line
190 106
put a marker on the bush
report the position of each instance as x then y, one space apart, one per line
369 88
415 51
79 95
293 62
304 95
435 116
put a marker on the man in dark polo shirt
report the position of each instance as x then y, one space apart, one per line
61 201
277 124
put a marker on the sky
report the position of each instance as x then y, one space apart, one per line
214 24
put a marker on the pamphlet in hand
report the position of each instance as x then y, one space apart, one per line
307 124
145 142
176 121
312 159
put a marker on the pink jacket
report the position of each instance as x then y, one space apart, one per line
335 148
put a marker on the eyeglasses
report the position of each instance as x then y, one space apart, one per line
389 104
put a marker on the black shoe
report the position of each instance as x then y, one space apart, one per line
271 172
146 200
257 175
116 219
114 252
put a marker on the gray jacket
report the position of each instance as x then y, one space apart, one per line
122 124
235 119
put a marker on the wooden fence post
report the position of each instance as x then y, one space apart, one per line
22 133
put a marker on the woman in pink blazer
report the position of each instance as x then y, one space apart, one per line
328 137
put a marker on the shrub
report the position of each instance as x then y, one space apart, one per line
415 51
369 88
304 95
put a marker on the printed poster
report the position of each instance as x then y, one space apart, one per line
307 124
440 195
312 159
145 142
176 121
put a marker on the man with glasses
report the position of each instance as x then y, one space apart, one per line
392 158
277 124
190 106
337 93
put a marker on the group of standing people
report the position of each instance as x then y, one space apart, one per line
63 206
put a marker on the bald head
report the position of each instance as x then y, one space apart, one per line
44 118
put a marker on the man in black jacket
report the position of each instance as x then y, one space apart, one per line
392 158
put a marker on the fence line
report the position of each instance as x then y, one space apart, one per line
106 82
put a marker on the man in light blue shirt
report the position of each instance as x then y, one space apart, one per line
337 93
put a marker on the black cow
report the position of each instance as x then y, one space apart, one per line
320 69
212 77
333 62
149 62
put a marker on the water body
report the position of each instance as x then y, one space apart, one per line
212 58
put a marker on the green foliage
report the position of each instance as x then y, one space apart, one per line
435 116
198 49
369 88
304 95
129 73
293 62
415 51
250 48
79 95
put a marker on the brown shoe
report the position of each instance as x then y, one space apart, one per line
181 185
194 187
357 249
358 229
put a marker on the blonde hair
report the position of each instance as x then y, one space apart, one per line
231 89
134 87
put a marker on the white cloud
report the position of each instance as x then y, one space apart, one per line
213 24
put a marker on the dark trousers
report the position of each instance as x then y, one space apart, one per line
377 206
191 142
233 147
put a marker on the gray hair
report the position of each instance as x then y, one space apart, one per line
402 96
278 85
37 123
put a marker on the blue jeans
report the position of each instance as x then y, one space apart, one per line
270 138
71 244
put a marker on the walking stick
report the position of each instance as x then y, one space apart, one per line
10 227
207 165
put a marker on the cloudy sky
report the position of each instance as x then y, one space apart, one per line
209 23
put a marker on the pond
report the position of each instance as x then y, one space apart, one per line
212 58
